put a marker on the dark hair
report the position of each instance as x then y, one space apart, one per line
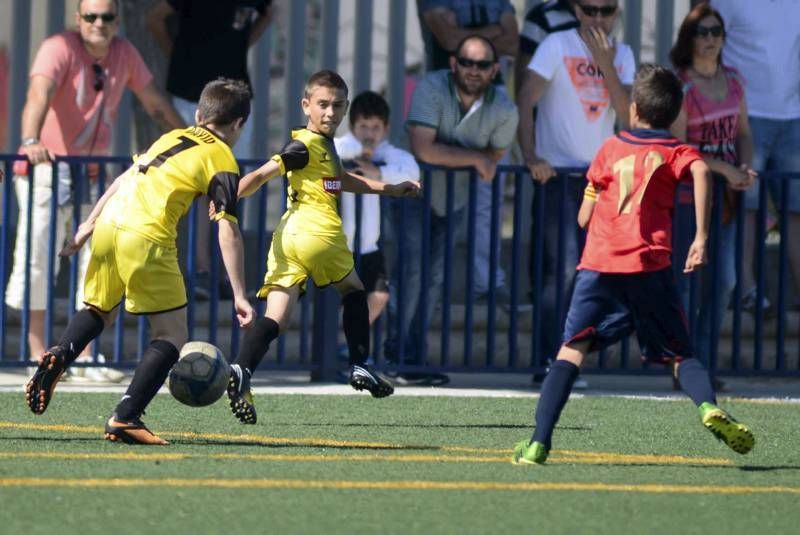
223 101
658 95
325 78
476 37
116 6
683 50
369 104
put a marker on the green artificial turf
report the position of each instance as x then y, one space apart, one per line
352 464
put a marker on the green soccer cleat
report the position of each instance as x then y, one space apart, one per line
735 435
526 452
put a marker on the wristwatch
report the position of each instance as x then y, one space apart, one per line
30 141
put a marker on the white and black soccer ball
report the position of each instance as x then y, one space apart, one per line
200 376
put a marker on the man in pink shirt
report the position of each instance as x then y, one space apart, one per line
76 83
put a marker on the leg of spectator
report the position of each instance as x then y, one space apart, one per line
709 321
411 252
763 135
787 158
40 239
483 237
551 326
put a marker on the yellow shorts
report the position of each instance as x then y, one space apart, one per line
126 264
295 257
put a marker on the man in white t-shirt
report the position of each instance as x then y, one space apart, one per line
762 41
579 80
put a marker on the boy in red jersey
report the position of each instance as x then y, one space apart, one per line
625 280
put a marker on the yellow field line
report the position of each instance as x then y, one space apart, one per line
256 439
598 458
497 454
390 485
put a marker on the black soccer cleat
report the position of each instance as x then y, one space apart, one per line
39 389
362 378
240 396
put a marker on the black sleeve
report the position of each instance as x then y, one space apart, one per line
223 190
294 155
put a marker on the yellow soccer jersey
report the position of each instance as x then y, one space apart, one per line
162 183
314 172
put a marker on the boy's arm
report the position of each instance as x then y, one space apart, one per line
701 176
86 228
587 206
253 180
232 248
359 184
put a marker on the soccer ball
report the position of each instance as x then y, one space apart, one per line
200 376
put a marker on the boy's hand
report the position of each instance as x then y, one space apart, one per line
212 210
73 246
409 188
696 257
244 312
366 168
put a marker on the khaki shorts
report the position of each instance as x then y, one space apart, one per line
126 264
40 241
295 257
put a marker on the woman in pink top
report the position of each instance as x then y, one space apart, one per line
714 119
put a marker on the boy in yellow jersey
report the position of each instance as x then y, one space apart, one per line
310 241
134 228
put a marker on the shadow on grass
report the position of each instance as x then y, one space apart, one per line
423 426
767 468
94 438
234 443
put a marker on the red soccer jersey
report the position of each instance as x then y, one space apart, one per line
635 174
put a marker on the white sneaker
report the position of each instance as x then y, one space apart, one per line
96 374
580 383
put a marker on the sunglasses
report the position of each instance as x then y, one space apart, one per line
99 77
482 64
105 17
593 11
705 31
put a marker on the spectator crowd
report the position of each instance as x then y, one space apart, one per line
555 88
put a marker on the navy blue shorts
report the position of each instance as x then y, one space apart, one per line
607 307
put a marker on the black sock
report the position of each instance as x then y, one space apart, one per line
85 326
554 395
256 343
694 380
355 319
158 359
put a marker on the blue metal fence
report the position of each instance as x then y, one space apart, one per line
463 334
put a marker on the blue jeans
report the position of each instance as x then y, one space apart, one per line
406 274
717 280
483 236
776 147
562 198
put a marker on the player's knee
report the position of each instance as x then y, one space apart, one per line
349 285
177 336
